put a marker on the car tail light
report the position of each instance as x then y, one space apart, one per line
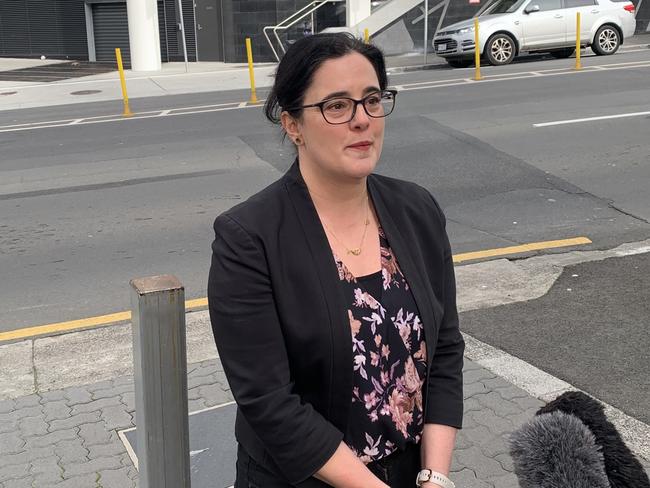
630 8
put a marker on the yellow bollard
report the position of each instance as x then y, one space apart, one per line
120 67
578 65
477 52
366 36
249 53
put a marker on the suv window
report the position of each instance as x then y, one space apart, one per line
545 5
578 3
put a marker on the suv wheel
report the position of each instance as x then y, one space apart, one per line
500 49
606 41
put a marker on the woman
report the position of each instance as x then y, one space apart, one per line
332 295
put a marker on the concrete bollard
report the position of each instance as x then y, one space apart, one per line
160 370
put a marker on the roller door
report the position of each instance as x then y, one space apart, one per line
111 30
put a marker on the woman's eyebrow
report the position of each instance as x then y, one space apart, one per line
344 93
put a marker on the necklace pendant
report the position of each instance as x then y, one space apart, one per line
356 252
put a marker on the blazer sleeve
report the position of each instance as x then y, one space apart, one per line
249 339
445 388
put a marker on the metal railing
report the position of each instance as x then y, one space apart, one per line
292 20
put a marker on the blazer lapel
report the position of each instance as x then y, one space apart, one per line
326 271
412 272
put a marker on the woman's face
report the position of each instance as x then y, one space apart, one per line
351 149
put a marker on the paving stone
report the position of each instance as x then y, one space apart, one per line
13 471
85 481
105 450
116 478
51 438
476 375
496 403
132 472
506 461
19 483
520 419
128 399
192 405
16 415
56 410
71 451
210 366
28 401
194 381
92 466
27 456
193 393
95 433
471 404
528 402
7 406
77 394
483 466
469 365
473 389
30 426
511 392
7 426
101 385
74 421
46 470
496 446
214 395
116 417
126 460
467 479
11 443
95 405
496 383
51 396
112 392
477 436
462 439
492 421
507 481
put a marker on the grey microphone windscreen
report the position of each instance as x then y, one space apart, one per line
556 450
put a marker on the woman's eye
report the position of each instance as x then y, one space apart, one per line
338 105
374 100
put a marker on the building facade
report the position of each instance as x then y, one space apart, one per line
215 30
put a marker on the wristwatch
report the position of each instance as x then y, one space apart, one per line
435 477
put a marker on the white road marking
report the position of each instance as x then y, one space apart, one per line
591 119
404 87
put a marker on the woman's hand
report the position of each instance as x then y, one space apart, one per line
345 470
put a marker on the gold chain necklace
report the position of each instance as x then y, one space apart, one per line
357 250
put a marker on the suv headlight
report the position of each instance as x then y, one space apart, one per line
466 30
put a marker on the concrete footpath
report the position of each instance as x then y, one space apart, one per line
174 80
64 399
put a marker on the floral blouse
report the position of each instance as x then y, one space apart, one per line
389 352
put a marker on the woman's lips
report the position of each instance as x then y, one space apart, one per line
361 146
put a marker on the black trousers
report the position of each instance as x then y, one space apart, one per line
397 470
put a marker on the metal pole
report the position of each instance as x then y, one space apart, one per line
426 29
160 371
180 13
127 109
578 65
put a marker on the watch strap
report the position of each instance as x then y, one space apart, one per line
434 477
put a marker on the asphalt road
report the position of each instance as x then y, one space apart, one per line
590 329
85 208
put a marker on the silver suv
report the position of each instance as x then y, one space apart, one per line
512 27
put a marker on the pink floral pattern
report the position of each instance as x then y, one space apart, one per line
389 360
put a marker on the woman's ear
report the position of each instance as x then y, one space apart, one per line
292 127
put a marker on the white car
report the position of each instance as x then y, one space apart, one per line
508 28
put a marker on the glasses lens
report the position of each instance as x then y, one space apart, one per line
338 110
379 104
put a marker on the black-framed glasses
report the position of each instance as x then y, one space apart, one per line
341 110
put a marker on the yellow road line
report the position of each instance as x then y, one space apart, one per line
533 246
59 327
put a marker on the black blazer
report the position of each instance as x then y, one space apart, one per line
281 326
